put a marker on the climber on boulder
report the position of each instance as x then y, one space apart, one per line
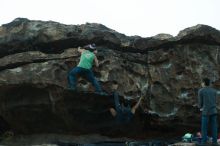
88 57
122 113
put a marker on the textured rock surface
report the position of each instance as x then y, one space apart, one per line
36 57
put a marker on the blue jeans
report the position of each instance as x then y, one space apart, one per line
72 78
214 127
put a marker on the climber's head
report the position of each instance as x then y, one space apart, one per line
91 47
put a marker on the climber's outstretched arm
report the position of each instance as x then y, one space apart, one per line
134 108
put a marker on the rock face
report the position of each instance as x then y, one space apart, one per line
36 57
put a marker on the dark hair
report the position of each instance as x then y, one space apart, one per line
206 81
115 82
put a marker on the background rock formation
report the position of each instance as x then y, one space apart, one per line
36 57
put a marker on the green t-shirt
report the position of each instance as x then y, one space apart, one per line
86 60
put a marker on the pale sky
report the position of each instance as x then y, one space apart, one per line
131 17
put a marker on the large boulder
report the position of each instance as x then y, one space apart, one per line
36 57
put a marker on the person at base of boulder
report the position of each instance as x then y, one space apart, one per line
122 113
207 104
88 57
